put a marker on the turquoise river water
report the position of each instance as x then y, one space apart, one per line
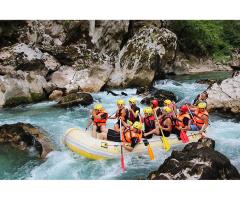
64 164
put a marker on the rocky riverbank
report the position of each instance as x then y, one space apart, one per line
43 59
24 136
225 96
198 161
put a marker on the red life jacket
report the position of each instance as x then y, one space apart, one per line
101 122
179 122
149 123
198 118
120 114
132 118
162 120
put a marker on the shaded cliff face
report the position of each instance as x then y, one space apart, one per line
38 57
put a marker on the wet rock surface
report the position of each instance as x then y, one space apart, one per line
74 99
198 161
160 95
23 136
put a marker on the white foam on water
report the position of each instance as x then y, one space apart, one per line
185 92
64 164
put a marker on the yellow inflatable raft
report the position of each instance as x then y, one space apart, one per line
82 143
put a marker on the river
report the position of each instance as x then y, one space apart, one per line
64 164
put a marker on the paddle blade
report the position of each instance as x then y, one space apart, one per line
166 144
150 153
122 163
184 137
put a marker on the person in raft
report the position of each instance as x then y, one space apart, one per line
150 125
133 111
200 118
131 135
201 98
182 121
99 119
172 105
121 112
166 121
155 107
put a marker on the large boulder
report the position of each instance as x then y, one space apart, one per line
22 87
144 57
90 79
225 96
74 99
23 136
160 95
197 161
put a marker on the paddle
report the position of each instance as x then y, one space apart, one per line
89 122
150 151
146 143
166 144
184 137
192 117
122 157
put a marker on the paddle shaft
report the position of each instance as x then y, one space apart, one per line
122 157
158 123
192 117
150 151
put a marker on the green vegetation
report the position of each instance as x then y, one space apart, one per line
216 39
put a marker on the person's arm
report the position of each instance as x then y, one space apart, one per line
123 114
135 114
205 125
154 131
133 144
169 125
90 120
124 123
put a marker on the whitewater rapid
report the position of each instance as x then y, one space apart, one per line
64 164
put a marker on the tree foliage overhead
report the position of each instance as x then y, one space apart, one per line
207 38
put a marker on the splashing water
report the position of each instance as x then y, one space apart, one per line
64 164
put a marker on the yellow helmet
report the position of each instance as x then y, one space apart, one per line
132 100
120 102
148 111
202 105
98 107
167 109
129 122
137 125
167 101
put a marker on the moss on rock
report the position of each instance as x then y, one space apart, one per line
15 101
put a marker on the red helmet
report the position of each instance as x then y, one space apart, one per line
184 109
155 103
